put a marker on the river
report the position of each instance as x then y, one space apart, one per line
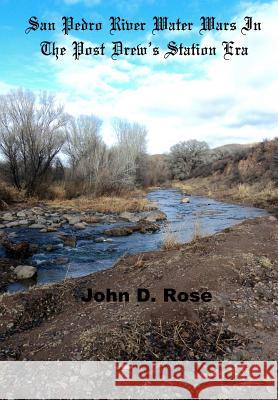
90 256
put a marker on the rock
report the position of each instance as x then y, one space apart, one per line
91 219
100 239
68 240
23 222
156 216
80 225
2 226
272 218
142 227
12 224
103 239
185 200
17 250
37 226
51 229
128 216
72 219
21 214
119 231
8 217
41 221
25 271
36 211
146 227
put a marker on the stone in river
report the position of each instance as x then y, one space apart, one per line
80 225
37 226
23 222
17 250
21 214
8 217
119 231
12 224
185 200
69 240
25 271
156 216
72 219
128 216
51 229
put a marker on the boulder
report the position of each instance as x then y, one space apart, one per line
72 219
156 216
100 239
185 200
128 216
37 226
8 217
41 221
125 231
25 271
91 219
23 222
146 227
17 250
142 227
103 239
21 214
51 229
68 240
80 225
12 224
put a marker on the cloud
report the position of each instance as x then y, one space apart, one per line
180 98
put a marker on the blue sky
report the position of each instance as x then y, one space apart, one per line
206 98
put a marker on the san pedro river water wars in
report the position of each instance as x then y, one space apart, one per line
160 24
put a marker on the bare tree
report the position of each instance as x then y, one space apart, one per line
86 150
31 135
128 152
187 156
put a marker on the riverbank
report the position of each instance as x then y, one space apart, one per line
240 264
263 195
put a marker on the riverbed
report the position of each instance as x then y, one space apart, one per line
89 255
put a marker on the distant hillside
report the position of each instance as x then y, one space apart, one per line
234 147
251 164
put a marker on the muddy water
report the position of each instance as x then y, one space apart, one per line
89 256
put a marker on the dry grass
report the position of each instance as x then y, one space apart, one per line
197 231
159 340
9 194
260 194
132 202
171 240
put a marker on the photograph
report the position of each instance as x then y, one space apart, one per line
138 199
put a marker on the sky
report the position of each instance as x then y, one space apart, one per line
178 98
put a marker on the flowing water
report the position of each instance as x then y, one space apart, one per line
89 256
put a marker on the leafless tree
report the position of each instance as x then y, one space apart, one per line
128 152
32 132
86 150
